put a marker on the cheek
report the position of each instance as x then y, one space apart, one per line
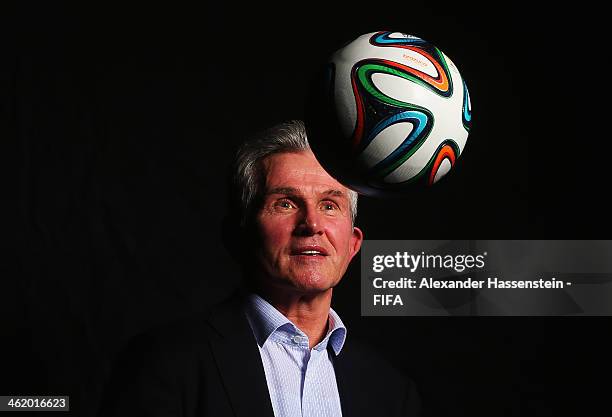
273 234
340 237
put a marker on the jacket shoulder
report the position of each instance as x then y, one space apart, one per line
363 370
169 367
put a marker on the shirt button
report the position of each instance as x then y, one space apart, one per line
297 339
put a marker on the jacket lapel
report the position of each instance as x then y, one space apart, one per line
239 361
352 399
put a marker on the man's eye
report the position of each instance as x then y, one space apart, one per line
285 204
329 206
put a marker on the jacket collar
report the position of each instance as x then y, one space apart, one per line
238 360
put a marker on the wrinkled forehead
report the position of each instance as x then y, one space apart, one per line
299 171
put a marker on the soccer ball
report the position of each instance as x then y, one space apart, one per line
394 112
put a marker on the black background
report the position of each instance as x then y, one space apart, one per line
120 124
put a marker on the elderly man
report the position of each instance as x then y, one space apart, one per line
277 348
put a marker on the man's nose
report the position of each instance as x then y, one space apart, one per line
309 223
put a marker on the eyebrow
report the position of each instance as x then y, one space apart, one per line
282 190
295 191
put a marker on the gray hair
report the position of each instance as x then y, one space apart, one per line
247 176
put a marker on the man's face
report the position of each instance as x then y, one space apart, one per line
305 234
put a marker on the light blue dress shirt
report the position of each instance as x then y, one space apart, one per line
301 381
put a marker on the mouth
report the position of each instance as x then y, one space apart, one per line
309 251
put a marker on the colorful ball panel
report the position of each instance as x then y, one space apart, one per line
402 110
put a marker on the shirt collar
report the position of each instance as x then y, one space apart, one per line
267 322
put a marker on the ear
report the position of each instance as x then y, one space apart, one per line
356 240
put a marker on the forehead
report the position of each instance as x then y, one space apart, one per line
299 170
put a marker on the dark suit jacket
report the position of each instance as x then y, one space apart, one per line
211 366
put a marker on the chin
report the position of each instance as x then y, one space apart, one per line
313 283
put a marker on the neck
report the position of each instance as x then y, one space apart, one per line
309 312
